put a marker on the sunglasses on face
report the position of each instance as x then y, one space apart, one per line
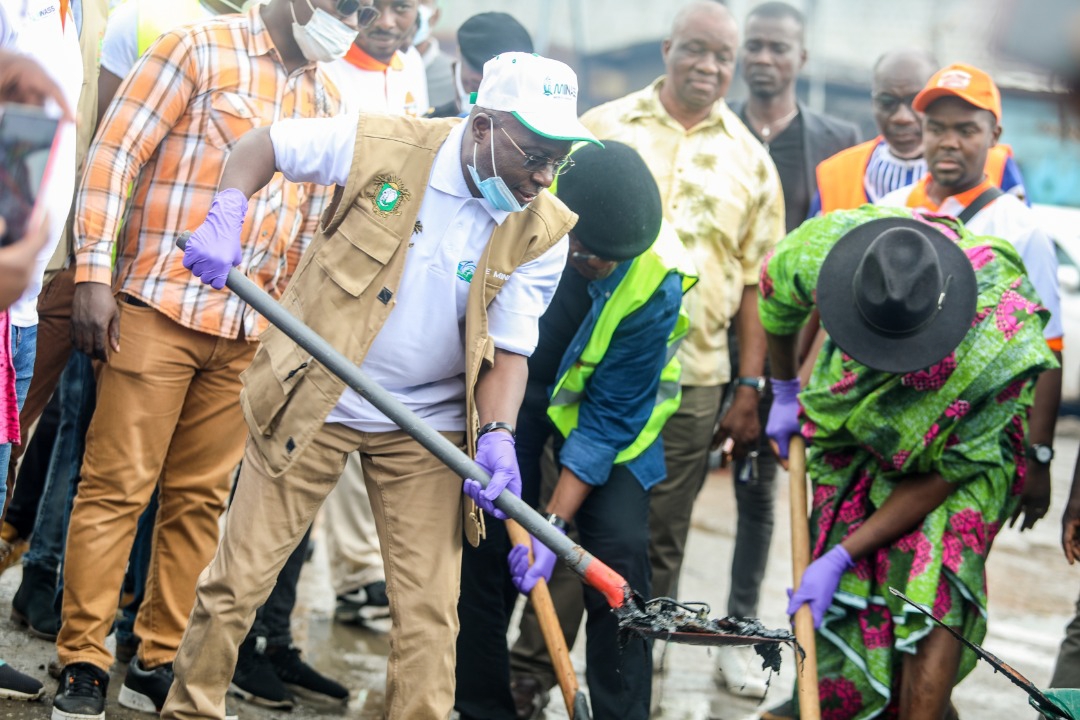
367 13
536 163
889 103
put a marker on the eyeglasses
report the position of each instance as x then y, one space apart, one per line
889 103
536 163
367 15
587 257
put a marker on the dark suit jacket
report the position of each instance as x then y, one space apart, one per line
823 137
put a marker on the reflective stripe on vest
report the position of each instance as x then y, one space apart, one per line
667 255
157 17
841 178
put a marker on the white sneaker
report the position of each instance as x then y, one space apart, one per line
740 670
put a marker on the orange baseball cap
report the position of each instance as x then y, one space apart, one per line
968 83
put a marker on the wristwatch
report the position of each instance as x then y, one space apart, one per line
758 383
1040 453
497 425
557 521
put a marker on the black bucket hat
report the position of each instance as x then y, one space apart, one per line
896 294
616 198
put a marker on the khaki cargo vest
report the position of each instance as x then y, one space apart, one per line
346 284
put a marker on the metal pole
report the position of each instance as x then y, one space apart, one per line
591 570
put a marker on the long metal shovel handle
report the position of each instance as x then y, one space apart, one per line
592 571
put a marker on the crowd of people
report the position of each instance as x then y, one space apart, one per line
592 304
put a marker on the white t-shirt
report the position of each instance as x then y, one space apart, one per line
419 354
33 27
399 89
1010 219
120 44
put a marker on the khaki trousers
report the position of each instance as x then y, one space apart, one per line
167 407
352 539
416 501
687 437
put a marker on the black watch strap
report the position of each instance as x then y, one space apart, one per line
497 425
557 521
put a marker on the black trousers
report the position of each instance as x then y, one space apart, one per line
613 525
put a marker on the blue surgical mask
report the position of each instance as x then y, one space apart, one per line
494 189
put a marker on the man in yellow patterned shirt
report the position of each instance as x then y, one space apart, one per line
722 193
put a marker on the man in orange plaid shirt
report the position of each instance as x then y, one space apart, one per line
168 396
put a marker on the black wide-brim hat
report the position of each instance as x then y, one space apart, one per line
898 342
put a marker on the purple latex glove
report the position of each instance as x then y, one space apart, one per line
819 583
495 453
214 248
525 575
784 414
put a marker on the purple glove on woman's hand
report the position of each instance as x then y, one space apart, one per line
784 414
524 575
214 248
495 453
819 583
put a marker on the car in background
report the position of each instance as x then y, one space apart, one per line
1063 226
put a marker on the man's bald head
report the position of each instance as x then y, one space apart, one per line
898 77
699 56
711 9
911 66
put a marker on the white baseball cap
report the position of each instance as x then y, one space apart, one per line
540 92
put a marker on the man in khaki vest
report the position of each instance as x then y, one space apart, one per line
430 271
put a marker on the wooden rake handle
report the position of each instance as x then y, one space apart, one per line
549 625
809 700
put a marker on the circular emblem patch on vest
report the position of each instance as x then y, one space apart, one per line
387 194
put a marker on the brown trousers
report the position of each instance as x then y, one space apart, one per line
167 407
416 501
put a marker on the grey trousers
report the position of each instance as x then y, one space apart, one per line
687 437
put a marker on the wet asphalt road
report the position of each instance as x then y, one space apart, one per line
1032 596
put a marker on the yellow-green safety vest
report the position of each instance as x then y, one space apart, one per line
157 17
646 273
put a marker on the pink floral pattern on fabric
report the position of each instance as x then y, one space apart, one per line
918 544
931 434
876 627
845 384
932 378
837 460
840 698
854 508
957 409
1011 392
952 552
979 256
1005 316
943 601
971 528
900 458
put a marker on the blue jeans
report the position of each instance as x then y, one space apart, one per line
76 392
23 352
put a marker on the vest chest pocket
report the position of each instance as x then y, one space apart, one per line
274 373
356 252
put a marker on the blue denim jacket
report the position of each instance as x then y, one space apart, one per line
620 393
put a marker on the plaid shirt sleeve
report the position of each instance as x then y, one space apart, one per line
147 105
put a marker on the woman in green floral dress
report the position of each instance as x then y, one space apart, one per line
913 472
